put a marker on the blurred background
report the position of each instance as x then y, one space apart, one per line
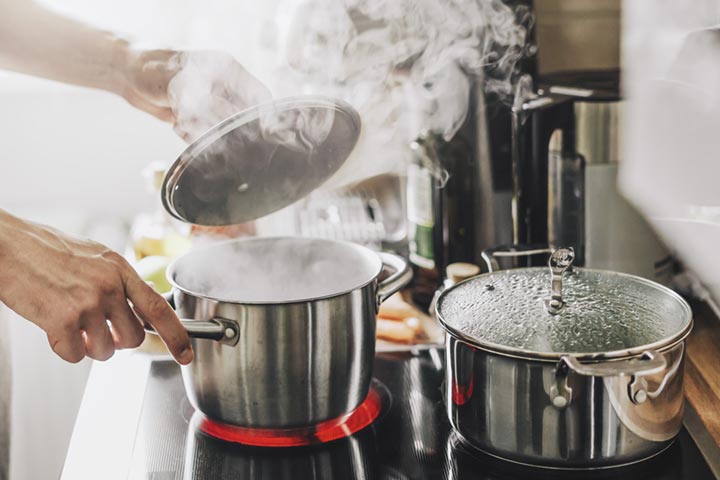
74 159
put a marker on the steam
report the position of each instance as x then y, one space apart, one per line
407 66
300 129
209 87
429 51
275 270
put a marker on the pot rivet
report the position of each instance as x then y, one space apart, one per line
560 402
489 287
641 396
229 333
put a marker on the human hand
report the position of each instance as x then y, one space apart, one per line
78 291
192 90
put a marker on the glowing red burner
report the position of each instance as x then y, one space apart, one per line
324 432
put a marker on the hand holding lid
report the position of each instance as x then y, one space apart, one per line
560 260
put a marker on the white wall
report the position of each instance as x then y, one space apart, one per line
671 142
67 148
70 158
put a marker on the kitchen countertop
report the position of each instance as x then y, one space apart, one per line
125 376
702 384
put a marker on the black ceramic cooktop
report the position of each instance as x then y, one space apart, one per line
411 440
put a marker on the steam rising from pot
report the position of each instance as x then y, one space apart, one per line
405 65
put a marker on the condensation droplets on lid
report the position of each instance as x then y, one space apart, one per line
604 312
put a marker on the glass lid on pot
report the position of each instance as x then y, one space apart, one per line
546 313
260 160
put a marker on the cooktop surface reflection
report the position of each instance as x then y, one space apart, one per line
411 439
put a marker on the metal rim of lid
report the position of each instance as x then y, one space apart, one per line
176 170
660 345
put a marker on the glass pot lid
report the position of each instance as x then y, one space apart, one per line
547 313
260 160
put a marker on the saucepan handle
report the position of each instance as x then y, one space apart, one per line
650 363
399 278
218 329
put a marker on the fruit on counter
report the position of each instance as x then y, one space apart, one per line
153 269
156 233
152 240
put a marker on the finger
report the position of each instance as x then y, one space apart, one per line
153 309
246 88
225 104
70 347
190 128
126 328
99 342
182 132
163 113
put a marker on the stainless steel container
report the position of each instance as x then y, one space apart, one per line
566 160
283 329
580 371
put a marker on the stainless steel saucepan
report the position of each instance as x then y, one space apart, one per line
283 329
565 368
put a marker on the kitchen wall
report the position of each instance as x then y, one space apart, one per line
671 169
67 148
71 158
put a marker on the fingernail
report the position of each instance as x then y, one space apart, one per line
186 355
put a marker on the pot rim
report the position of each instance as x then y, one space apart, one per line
507 351
364 251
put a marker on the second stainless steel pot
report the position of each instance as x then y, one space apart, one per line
283 329
581 371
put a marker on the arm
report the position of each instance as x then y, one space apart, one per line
39 42
191 90
42 43
71 288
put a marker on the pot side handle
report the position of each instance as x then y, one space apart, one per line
650 363
401 277
218 329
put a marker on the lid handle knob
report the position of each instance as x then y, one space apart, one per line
560 260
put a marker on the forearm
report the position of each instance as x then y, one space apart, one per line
39 42
9 227
4 225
